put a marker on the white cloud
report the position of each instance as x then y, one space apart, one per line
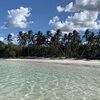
68 8
2 39
60 9
53 32
85 16
12 34
54 20
90 5
17 18
79 21
15 40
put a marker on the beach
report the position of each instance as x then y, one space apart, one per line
84 62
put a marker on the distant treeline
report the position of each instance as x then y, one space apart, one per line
71 45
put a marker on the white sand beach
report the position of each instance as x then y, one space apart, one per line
63 61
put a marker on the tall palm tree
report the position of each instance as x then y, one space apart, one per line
65 42
30 37
97 38
56 41
39 38
30 40
22 38
69 43
89 37
39 42
48 38
57 36
9 39
76 40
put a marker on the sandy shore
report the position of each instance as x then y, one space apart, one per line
63 61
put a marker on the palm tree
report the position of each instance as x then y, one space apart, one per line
56 41
22 38
9 39
57 36
48 38
30 40
65 42
75 42
2 49
69 44
97 39
39 42
90 39
30 37
39 38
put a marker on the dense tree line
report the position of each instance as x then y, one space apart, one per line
71 45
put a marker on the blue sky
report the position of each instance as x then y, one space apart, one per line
42 11
49 15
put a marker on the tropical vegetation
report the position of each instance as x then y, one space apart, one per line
69 45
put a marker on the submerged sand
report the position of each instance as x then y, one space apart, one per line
43 79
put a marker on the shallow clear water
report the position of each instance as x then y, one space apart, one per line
47 81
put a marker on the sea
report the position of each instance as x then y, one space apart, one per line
27 80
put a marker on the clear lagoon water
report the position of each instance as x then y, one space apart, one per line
47 81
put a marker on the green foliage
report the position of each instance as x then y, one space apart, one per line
70 45
10 50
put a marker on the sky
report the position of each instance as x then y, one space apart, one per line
43 15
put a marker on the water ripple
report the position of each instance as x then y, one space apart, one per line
33 81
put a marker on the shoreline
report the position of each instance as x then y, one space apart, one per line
62 61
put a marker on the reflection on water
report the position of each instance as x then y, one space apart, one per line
36 81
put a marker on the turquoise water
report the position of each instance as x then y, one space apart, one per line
47 81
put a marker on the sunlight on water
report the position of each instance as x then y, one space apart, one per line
47 81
